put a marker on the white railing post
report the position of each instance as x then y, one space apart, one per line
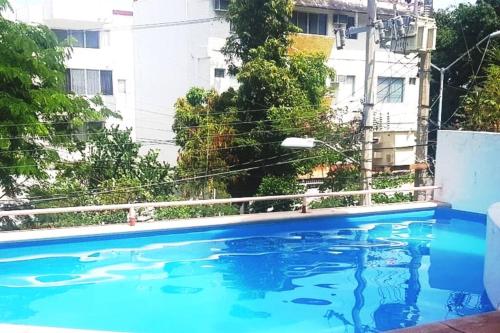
242 209
304 205
132 216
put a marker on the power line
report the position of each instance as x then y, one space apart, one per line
230 109
124 190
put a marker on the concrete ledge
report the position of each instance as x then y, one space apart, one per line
36 329
63 233
485 323
492 257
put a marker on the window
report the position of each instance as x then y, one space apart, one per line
221 5
220 72
92 39
344 85
77 81
349 21
122 86
390 90
413 81
89 81
78 38
310 23
93 85
107 82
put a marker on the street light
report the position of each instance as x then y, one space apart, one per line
309 143
443 70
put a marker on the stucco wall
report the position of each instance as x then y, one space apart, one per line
492 259
468 169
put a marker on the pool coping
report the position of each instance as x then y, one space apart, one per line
8 237
483 323
40 329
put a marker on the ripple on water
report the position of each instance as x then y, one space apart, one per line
56 278
246 313
311 301
168 289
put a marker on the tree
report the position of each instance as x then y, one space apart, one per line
108 170
37 115
458 30
255 22
279 95
481 106
203 127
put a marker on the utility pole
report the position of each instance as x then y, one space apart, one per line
422 122
369 101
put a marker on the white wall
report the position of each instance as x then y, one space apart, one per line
169 60
115 51
492 258
468 169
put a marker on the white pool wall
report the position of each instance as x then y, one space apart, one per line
492 258
468 169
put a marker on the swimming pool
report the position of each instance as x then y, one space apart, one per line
365 273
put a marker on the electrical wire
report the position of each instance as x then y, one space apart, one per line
124 190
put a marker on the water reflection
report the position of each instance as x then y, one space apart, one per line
383 258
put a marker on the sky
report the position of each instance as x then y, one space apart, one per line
438 4
441 4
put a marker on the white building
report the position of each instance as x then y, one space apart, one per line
102 60
396 101
177 45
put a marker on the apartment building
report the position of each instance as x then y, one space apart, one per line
177 47
102 58
396 101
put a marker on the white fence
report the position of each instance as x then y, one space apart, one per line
132 207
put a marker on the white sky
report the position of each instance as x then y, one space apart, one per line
438 4
441 4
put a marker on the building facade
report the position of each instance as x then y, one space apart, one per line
177 45
101 60
141 56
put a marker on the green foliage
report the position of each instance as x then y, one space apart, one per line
35 110
460 29
76 219
203 131
279 95
111 159
110 171
349 179
481 106
341 178
383 181
271 186
253 24
195 212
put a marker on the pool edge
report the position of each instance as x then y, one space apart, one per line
10 237
8 328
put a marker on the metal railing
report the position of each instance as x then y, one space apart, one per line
132 207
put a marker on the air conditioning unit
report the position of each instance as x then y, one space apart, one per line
408 34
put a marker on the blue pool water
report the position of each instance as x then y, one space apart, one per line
358 274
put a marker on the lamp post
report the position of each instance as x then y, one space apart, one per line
443 71
309 143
